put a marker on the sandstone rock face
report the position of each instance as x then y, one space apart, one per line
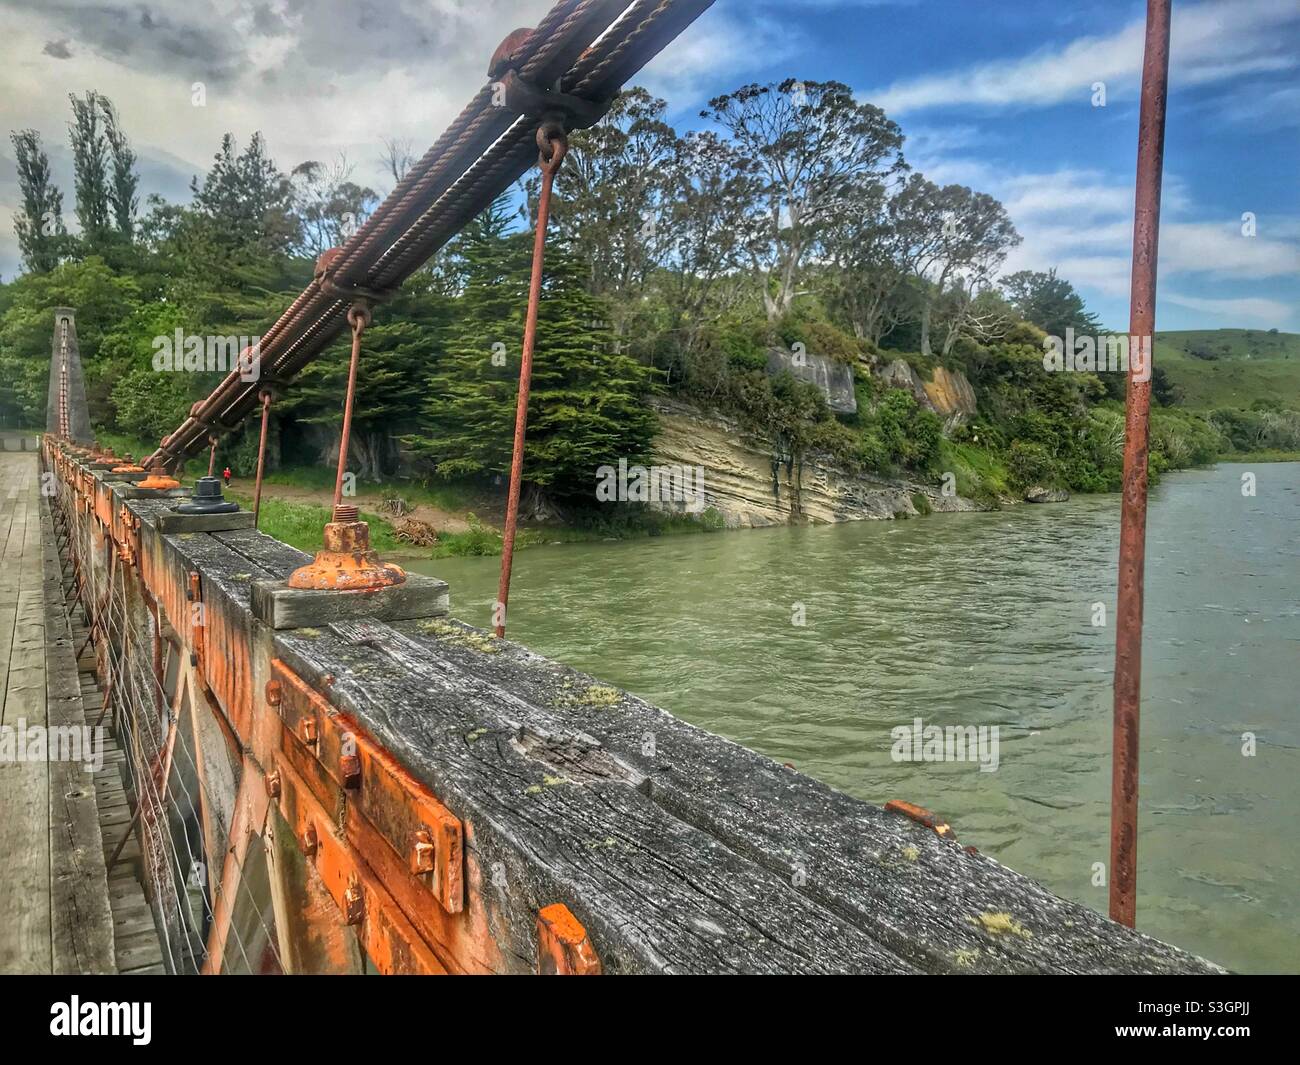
1046 495
748 489
835 379
950 393
899 374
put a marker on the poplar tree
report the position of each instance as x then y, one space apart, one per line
39 224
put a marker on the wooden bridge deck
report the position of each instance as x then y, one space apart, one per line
58 912
413 796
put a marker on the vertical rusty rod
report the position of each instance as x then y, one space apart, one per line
358 318
261 457
1133 514
550 164
212 454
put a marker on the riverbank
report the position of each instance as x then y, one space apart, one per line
467 521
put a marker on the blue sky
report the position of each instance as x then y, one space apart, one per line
997 96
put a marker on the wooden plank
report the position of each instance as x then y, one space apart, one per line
282 607
80 915
204 523
24 785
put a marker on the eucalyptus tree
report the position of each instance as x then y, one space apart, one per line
815 148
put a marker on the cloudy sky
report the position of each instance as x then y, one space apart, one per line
995 95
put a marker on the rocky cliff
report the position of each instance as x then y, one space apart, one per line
745 484
835 379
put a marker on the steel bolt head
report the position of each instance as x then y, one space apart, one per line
353 905
422 853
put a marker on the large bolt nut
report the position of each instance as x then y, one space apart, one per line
274 692
273 785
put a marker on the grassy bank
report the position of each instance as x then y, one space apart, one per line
300 523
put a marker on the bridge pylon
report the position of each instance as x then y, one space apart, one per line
66 411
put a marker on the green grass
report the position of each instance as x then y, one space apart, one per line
451 496
1266 455
1248 365
301 525
980 475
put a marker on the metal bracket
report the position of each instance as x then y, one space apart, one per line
383 799
530 100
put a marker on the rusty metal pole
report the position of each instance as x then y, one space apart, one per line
358 318
212 454
553 144
1133 513
261 457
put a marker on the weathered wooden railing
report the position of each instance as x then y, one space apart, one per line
414 796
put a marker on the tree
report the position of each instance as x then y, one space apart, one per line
125 181
613 190
711 191
864 279
586 407
1050 302
953 239
816 148
247 201
330 205
102 299
398 157
90 169
402 342
39 224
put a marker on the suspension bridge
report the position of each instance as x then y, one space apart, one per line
307 766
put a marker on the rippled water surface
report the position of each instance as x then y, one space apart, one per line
986 619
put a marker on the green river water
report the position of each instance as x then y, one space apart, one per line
987 619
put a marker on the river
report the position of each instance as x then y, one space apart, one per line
987 620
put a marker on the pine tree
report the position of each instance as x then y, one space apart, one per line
39 225
247 200
396 351
586 407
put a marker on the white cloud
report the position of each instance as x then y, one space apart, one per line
719 47
1211 41
1273 314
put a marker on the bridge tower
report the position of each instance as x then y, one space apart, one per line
66 412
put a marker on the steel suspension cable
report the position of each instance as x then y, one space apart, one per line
553 145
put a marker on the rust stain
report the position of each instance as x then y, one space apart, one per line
563 948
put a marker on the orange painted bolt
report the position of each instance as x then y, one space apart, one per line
274 692
422 853
353 905
273 785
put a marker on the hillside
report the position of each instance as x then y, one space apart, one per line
1212 368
